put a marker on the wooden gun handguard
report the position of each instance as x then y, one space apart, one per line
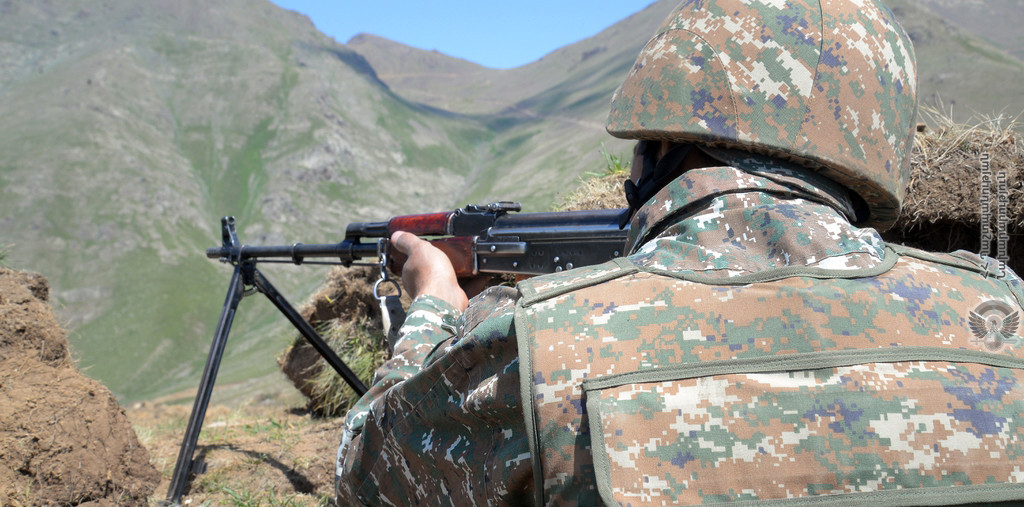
459 250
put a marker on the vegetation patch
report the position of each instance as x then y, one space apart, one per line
348 317
600 190
255 455
943 208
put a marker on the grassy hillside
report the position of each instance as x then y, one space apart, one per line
131 128
547 116
134 130
968 54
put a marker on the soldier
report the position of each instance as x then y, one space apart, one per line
753 345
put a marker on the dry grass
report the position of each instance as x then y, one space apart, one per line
601 192
942 210
946 169
348 318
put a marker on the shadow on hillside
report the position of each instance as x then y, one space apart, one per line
299 482
362 66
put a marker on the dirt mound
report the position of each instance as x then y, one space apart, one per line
943 209
63 438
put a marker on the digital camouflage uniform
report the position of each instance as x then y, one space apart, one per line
754 345
757 347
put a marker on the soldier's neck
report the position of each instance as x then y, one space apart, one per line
723 220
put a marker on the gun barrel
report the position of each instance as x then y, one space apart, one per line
346 251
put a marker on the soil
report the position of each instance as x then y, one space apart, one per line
63 438
65 441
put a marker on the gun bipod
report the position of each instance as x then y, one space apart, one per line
245 275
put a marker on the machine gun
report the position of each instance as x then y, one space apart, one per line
478 239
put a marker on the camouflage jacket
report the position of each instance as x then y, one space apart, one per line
753 346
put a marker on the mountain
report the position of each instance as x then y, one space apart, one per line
970 54
596 64
131 127
996 21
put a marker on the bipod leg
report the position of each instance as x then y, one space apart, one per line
236 289
314 339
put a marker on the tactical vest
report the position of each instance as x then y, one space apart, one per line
901 385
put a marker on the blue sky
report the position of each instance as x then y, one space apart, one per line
494 34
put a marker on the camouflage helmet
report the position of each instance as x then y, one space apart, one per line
831 85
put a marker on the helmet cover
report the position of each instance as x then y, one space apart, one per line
830 85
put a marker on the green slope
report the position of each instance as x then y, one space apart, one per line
125 145
958 68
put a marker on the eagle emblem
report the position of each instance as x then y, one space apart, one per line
994 324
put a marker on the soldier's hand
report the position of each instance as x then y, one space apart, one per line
428 270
